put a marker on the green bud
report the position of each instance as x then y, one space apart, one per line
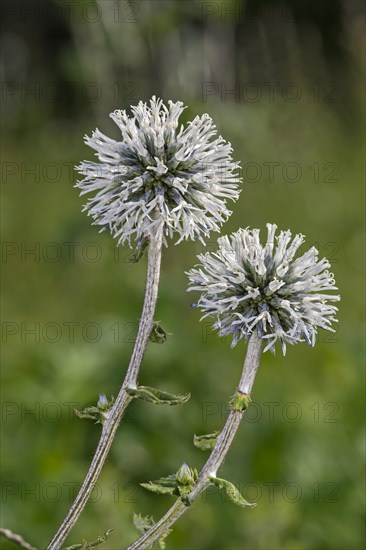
103 404
158 335
100 412
239 402
179 484
185 476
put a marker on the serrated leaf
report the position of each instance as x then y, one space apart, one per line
168 481
232 492
159 397
144 523
158 489
205 442
98 413
179 484
87 545
88 412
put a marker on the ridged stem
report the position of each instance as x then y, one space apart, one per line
217 456
123 399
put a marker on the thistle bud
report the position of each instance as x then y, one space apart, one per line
103 403
185 475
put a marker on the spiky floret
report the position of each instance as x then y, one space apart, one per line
248 286
159 176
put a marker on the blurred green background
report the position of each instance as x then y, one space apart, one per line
283 82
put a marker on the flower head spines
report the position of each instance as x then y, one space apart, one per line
159 176
247 286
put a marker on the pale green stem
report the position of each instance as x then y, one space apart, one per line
123 399
217 455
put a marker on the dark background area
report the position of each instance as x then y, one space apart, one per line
284 83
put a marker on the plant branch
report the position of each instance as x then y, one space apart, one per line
217 456
17 539
123 399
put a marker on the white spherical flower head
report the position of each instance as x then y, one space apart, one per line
160 176
248 286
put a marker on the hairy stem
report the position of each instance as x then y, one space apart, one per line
217 455
17 539
123 399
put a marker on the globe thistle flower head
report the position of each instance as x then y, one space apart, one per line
160 176
248 286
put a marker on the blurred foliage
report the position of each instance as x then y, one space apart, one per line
299 454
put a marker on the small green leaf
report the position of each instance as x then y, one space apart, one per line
88 412
159 397
239 402
99 413
168 481
158 335
232 492
205 442
87 545
144 523
179 484
158 489
161 541
140 251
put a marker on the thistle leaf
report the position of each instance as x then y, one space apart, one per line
239 402
178 484
232 492
159 397
168 481
88 412
143 524
99 413
158 335
87 545
158 489
205 442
